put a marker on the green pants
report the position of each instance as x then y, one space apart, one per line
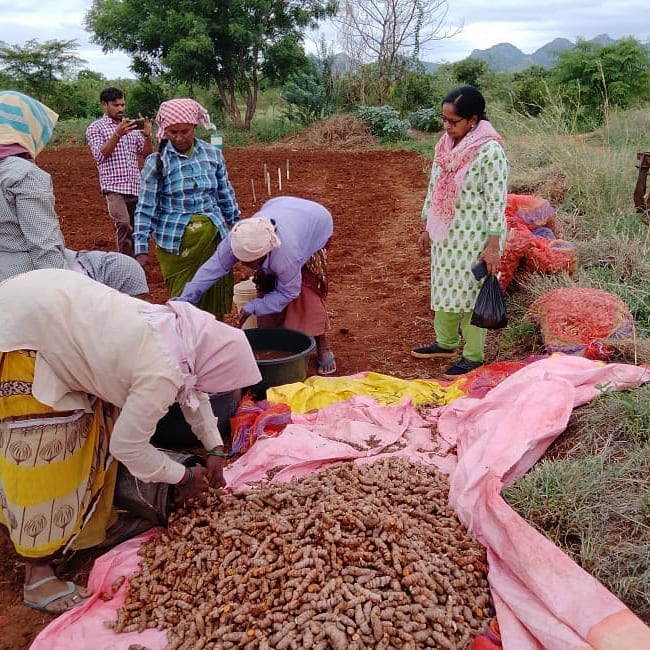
448 327
199 242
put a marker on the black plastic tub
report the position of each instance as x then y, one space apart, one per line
173 431
286 369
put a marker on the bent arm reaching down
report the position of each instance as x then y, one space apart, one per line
143 408
210 272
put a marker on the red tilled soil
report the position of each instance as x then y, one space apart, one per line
378 303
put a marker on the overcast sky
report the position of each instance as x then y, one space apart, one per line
484 23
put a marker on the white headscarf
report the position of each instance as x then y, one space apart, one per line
251 239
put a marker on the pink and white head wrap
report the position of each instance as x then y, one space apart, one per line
181 111
251 239
212 357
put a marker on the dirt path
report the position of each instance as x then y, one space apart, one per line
379 281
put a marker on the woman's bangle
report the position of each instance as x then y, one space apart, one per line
215 451
188 477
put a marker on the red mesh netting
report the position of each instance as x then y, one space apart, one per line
534 240
518 243
574 320
480 381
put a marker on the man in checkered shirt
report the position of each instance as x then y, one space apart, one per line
116 142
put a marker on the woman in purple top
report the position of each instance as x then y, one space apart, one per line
285 244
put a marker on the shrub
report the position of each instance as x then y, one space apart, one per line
384 122
426 119
308 98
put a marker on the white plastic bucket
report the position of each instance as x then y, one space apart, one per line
216 140
244 292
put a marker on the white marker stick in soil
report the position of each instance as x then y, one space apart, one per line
253 188
279 179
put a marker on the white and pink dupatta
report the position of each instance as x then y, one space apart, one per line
454 161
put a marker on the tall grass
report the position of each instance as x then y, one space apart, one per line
269 125
590 494
591 175
69 133
590 179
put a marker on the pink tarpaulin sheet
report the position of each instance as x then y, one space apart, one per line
543 599
83 628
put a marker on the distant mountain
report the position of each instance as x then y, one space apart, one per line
342 64
546 55
429 66
505 57
603 39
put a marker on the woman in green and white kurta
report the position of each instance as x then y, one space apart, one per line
464 213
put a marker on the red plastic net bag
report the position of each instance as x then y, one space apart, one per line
552 256
515 251
532 211
575 320
533 244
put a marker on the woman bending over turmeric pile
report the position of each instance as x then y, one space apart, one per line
86 372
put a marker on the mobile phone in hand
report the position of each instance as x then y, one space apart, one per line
480 270
139 122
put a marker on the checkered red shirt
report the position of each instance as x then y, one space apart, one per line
119 172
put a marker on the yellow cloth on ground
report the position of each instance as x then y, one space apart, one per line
55 469
318 392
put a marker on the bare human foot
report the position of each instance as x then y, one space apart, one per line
326 363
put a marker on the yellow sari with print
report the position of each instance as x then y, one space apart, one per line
56 476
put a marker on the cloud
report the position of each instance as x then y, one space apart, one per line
528 26
63 20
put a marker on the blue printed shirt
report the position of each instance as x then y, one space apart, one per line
190 184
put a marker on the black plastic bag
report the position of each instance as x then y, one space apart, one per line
264 282
490 307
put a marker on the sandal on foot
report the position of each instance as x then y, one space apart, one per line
43 604
327 366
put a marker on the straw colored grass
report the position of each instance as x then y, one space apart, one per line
341 131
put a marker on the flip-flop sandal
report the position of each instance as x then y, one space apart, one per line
331 360
71 589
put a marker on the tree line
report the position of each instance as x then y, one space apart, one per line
227 53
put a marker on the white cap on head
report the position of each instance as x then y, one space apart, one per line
252 239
